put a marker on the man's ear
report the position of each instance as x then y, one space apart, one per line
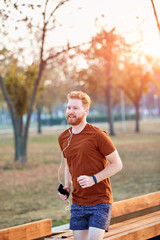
86 111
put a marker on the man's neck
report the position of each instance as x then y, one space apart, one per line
78 128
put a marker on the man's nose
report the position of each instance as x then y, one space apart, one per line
70 110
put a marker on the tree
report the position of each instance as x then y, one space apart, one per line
104 56
45 55
135 82
17 92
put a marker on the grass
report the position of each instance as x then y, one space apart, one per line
29 192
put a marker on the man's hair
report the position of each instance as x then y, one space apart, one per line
86 101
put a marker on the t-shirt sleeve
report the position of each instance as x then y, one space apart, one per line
105 143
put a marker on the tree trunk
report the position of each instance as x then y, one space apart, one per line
20 141
159 107
110 115
23 148
137 117
39 125
16 151
50 119
122 110
109 100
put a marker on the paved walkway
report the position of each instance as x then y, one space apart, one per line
34 129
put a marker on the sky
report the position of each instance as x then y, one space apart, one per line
133 19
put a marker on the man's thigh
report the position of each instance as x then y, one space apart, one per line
95 233
80 234
91 234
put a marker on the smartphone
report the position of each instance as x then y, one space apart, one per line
63 191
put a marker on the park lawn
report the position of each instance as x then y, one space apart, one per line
29 192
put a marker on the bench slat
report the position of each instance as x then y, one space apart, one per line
135 204
28 231
141 233
133 225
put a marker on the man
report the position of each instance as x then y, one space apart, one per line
90 159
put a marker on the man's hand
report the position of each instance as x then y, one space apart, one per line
64 197
85 181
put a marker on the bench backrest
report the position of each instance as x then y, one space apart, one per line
28 231
136 204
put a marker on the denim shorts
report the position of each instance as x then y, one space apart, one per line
97 216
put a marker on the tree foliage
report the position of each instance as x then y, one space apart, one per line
156 75
19 84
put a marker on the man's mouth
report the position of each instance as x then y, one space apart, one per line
71 116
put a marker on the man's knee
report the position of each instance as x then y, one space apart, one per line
95 234
80 234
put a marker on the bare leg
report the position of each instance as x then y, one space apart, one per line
95 234
80 234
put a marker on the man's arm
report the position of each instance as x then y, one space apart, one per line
67 176
67 181
115 165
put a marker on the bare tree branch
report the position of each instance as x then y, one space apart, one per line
60 4
156 17
52 56
44 13
6 96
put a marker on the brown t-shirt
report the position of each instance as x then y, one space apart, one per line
86 156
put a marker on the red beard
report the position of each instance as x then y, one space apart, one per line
73 120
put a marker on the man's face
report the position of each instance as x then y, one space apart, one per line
75 112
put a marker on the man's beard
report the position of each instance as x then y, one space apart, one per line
73 120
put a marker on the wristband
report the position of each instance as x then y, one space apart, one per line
95 179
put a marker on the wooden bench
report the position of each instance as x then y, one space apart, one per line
132 219
34 230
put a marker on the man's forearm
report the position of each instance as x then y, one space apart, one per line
109 171
114 166
67 176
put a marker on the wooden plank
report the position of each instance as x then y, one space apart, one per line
141 233
28 231
132 224
134 214
135 204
